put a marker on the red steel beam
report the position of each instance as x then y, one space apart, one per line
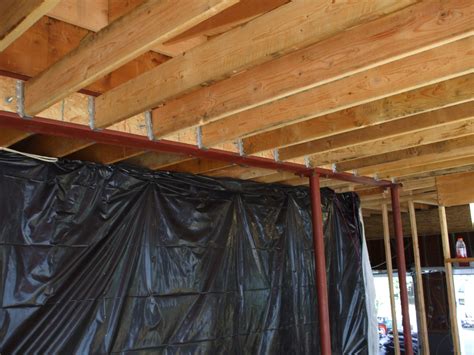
51 127
402 271
320 265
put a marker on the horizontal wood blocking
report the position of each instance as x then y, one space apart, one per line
299 24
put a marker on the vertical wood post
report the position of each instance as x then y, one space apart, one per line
320 265
423 327
449 279
402 271
388 258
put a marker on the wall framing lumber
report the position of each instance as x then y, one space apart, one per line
103 52
17 16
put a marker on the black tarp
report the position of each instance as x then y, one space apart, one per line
113 259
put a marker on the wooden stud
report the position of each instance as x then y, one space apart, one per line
423 328
388 259
18 16
449 280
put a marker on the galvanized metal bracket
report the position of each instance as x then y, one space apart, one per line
199 137
91 111
276 155
240 147
20 99
149 126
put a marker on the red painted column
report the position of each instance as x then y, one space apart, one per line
402 271
320 265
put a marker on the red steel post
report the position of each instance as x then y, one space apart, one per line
320 265
402 271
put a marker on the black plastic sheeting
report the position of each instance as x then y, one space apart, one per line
112 259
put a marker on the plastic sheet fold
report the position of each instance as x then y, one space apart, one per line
112 259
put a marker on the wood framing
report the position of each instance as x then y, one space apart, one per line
435 65
454 190
16 16
242 47
105 51
348 52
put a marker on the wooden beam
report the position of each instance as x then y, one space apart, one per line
462 169
49 40
423 153
420 100
423 328
123 40
197 166
346 53
9 136
416 169
299 24
155 161
388 260
449 280
237 14
404 141
51 146
385 130
89 14
241 172
16 16
435 65
454 190
105 154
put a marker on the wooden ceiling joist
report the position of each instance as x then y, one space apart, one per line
427 98
10 136
299 24
425 68
403 141
105 154
448 149
385 130
123 40
354 50
18 16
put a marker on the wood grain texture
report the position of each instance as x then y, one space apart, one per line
427 98
423 154
425 68
346 53
426 136
385 130
49 40
298 24
16 16
88 14
123 40
455 190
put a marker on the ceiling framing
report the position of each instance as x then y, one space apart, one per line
377 88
